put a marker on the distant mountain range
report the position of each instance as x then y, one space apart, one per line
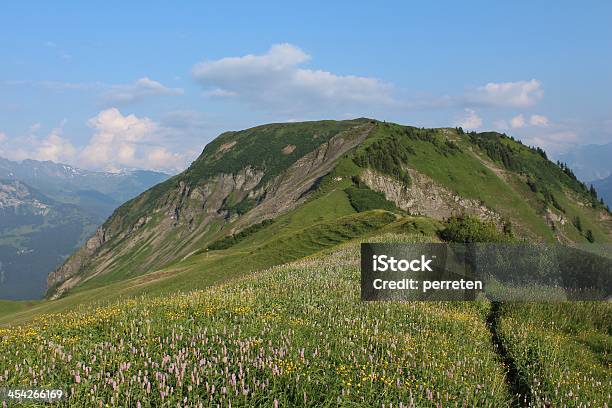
590 162
49 209
101 191
604 189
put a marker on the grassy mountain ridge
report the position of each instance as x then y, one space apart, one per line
273 312
194 210
243 178
269 148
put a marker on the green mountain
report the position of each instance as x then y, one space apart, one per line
276 193
162 307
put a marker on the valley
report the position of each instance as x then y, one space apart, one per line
48 210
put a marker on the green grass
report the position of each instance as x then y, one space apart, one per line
315 342
233 239
562 351
261 148
297 335
8 307
202 271
326 207
467 229
263 249
300 328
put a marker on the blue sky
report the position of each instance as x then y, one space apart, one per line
110 85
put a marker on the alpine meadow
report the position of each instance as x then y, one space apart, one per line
236 282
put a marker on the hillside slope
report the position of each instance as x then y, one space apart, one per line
298 174
298 335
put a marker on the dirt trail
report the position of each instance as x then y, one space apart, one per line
518 388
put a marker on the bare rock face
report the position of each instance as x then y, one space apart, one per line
97 240
426 197
553 217
289 189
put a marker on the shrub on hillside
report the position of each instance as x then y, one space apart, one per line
364 199
467 229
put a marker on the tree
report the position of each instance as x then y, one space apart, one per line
507 228
532 185
589 236
577 223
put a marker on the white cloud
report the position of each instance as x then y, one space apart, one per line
554 142
115 138
539 120
55 148
72 86
118 142
509 94
159 157
127 142
139 90
564 136
518 121
274 80
470 121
